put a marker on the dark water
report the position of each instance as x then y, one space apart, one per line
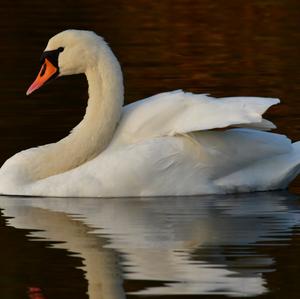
245 245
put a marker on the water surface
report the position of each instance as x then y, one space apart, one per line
110 248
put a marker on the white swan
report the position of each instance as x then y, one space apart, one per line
162 145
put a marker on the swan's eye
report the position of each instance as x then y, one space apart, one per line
43 70
52 55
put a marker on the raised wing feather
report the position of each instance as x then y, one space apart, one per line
179 112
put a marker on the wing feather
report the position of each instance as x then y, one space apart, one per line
179 112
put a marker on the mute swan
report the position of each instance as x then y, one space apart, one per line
162 145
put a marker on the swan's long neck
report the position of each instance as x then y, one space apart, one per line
103 112
92 135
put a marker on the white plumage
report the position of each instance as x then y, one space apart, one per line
162 145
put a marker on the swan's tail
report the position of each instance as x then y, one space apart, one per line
269 174
296 148
295 161
284 168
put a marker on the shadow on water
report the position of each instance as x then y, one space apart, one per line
113 248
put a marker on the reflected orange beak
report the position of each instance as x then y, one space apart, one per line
47 71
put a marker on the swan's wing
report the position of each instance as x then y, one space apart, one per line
178 112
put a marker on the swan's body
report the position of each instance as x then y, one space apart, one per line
162 145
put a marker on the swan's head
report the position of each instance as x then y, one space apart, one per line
69 52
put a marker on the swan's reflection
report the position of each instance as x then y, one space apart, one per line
192 245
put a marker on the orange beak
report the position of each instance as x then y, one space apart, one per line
47 71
